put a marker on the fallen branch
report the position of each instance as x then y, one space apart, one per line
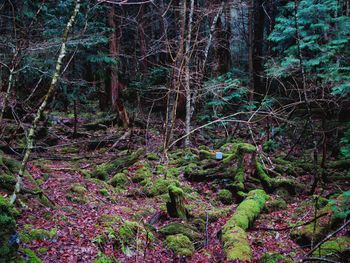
328 237
289 227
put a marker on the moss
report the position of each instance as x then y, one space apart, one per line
28 236
176 206
180 245
131 232
213 214
152 156
69 149
274 258
104 192
236 245
102 171
42 250
159 186
78 188
8 215
31 257
102 258
142 173
7 182
178 228
275 205
225 196
337 247
109 220
119 180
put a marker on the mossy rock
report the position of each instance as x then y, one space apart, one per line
7 182
159 186
78 188
142 173
335 248
180 245
119 180
8 215
28 234
179 228
225 196
276 205
274 258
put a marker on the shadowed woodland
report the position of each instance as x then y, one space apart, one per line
174 131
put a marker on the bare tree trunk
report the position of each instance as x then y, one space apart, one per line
175 85
115 85
205 58
7 95
187 75
50 92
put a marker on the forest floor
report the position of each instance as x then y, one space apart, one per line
84 207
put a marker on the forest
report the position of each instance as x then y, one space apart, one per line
174 131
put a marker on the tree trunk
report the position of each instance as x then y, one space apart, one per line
50 92
115 85
187 74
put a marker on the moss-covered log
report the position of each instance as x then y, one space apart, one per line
234 237
104 170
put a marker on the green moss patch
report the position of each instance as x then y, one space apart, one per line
29 234
179 228
8 215
180 245
336 247
119 180
225 196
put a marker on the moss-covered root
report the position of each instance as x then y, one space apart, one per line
234 237
270 183
176 206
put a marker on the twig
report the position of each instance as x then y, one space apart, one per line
320 259
289 227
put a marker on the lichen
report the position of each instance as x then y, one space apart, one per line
225 196
180 245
